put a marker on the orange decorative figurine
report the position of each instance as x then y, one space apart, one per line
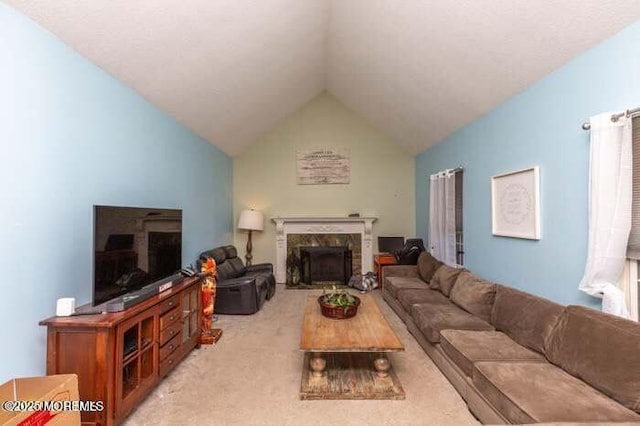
208 334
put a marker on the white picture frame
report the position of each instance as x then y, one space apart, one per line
515 204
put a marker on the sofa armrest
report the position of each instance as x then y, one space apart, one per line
400 271
260 267
408 271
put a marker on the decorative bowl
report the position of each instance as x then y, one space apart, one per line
338 312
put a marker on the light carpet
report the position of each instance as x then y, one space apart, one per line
252 377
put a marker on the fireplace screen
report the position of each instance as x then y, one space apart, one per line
325 264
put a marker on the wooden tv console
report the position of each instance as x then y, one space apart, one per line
120 357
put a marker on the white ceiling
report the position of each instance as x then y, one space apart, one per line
416 69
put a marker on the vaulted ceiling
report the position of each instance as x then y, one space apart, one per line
418 70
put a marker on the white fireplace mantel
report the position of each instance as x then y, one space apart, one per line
322 225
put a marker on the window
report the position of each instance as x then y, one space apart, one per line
445 216
629 284
459 239
629 280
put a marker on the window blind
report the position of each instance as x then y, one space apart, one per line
633 246
459 200
459 231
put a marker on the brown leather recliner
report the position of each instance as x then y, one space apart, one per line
240 290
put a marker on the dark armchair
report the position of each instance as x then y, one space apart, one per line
240 289
409 254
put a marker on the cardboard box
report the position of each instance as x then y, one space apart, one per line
62 387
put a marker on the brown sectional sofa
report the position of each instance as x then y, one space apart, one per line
517 358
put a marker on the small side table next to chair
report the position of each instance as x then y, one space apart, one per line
379 261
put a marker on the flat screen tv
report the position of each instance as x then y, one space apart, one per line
390 244
134 247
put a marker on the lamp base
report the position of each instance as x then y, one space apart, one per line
249 256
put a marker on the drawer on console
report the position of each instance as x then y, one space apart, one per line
169 303
169 318
170 347
168 364
169 332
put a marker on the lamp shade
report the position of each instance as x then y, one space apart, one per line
251 220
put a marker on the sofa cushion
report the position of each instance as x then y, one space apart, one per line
218 254
530 392
601 349
527 319
410 296
474 295
427 266
225 271
466 347
430 318
444 278
238 266
393 284
230 251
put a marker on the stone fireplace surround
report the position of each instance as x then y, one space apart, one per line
322 225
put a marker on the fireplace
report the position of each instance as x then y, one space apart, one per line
325 265
295 232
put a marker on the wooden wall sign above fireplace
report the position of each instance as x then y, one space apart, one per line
323 166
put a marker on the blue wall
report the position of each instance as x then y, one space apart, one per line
71 136
540 126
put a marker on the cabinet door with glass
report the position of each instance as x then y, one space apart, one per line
190 317
136 359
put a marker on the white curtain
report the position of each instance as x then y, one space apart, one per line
442 217
610 196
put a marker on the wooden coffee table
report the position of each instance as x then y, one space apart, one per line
347 359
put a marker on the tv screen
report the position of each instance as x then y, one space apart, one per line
390 244
134 247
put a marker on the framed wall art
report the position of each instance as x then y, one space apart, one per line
515 204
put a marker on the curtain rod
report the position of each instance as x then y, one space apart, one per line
454 171
614 117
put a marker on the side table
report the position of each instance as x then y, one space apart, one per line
379 261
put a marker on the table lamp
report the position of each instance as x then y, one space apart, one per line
250 220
